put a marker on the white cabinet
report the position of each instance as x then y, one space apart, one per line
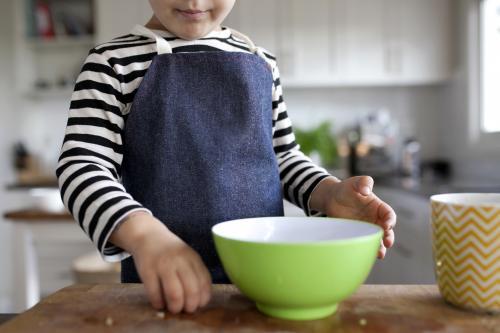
308 47
57 246
409 261
352 42
361 40
318 43
419 40
44 252
330 42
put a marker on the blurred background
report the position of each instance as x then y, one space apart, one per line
402 90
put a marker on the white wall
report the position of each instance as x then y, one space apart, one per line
415 108
472 161
39 125
7 113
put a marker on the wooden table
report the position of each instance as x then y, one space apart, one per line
125 308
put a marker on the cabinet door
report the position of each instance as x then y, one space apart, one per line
117 17
330 42
421 40
375 42
362 41
307 38
409 261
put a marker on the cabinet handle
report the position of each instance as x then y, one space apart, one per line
398 59
393 59
287 62
388 59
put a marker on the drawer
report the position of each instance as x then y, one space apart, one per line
410 259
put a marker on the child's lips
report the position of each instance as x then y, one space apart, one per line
192 14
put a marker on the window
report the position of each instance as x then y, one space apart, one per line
490 66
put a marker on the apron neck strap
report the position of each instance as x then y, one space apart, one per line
161 44
250 43
164 47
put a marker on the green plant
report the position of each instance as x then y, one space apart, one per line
321 140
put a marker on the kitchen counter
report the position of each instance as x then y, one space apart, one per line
428 187
125 308
34 215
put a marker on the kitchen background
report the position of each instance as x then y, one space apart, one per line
379 72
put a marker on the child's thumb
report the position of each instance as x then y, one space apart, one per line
364 185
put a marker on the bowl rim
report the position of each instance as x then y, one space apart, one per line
350 240
457 199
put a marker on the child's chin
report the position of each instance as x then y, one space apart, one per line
196 32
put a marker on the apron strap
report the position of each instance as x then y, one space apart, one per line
251 45
164 47
161 44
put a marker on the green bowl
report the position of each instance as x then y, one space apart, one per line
297 267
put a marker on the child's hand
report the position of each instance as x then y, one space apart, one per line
173 274
353 199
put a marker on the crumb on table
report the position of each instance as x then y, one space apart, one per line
109 321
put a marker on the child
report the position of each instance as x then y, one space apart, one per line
176 127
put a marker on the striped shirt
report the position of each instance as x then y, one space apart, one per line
89 165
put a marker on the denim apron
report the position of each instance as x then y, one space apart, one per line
198 145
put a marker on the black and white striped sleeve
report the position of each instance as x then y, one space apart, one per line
299 175
89 165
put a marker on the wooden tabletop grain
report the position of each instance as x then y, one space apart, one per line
124 308
37 215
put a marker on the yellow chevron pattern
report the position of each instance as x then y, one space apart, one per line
466 248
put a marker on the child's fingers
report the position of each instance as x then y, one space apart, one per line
364 185
387 216
173 292
381 252
191 288
154 291
204 281
388 239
